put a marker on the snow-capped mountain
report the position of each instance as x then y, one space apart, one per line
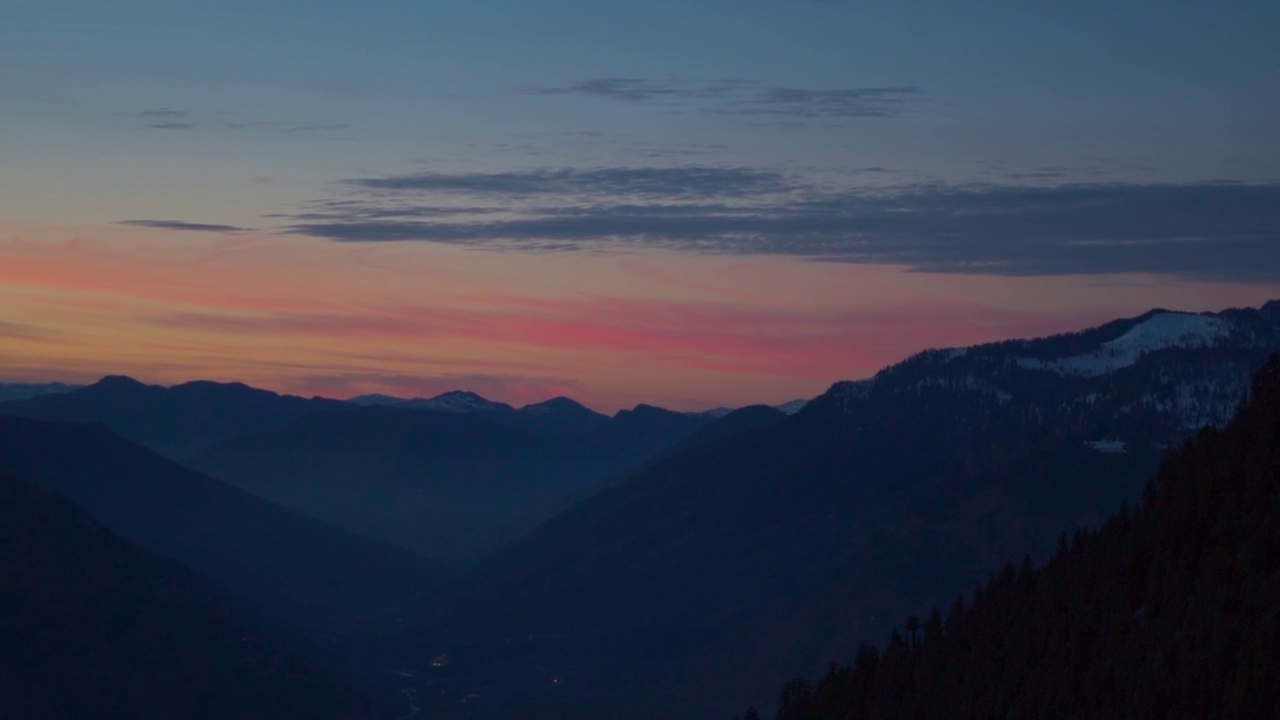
1152 379
793 406
1160 330
455 401
461 401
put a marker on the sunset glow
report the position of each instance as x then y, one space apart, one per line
613 330
619 204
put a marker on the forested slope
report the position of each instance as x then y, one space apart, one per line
1171 610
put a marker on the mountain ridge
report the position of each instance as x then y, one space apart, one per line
906 486
172 420
324 579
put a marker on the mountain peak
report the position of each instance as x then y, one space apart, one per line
559 403
644 409
118 381
461 401
374 399
200 384
459 394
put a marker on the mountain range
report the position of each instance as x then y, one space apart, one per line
465 401
286 564
723 569
172 421
652 563
450 478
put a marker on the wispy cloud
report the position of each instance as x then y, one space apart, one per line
291 128
180 225
595 144
728 336
1220 231
843 103
162 113
25 331
650 182
169 118
646 90
164 118
746 97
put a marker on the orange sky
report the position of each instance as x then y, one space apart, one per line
610 329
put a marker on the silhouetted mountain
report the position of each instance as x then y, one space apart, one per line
559 415
443 484
23 391
172 420
733 423
719 571
376 400
655 427
459 401
1166 612
790 407
312 573
92 626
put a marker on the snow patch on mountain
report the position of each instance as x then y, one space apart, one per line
792 407
455 401
1162 330
462 401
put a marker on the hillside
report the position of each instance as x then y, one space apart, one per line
318 576
91 626
1169 611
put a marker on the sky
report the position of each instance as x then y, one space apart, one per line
692 204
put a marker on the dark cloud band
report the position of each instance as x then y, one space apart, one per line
745 97
691 181
179 225
1220 231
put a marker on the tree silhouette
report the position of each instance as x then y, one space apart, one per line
913 629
